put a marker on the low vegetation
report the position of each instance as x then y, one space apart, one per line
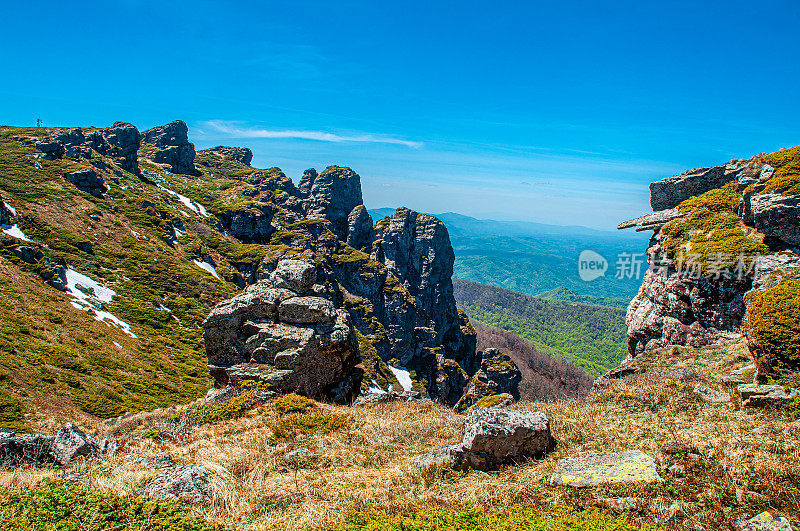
773 323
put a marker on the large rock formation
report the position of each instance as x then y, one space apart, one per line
496 375
172 147
280 333
120 141
749 250
393 279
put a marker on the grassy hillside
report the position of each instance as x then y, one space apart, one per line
592 337
59 361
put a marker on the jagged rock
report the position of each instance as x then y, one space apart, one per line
497 375
306 310
71 442
5 213
307 181
187 483
652 221
373 399
17 450
711 395
125 140
332 195
51 149
741 375
359 227
672 191
765 522
755 395
494 437
251 225
267 334
88 181
296 275
601 469
240 155
676 310
777 216
173 147
156 461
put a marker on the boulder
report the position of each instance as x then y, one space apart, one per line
71 442
124 139
17 450
88 181
672 191
172 147
765 522
755 395
777 216
293 344
295 275
494 437
187 483
603 469
50 148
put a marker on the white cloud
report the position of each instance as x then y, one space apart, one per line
233 129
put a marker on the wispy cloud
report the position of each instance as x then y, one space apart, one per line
236 130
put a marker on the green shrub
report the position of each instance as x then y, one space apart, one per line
293 403
68 506
314 422
773 324
11 413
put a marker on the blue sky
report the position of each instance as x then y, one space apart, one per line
559 112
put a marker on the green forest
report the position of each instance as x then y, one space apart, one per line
591 336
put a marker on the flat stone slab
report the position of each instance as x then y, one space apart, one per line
711 395
765 522
590 470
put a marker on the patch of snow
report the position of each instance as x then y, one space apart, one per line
375 388
403 376
207 267
195 207
101 292
135 234
10 209
179 232
15 232
117 345
91 298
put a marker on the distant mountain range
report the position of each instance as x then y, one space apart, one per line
538 259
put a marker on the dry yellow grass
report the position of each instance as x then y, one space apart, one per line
366 465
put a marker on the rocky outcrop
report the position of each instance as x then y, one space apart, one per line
672 191
88 181
120 141
187 483
775 215
694 308
69 444
277 333
497 375
332 195
172 147
240 155
772 396
494 437
359 227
